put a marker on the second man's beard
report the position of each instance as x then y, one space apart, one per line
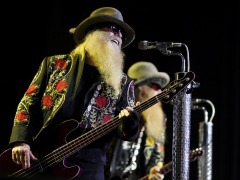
155 123
107 57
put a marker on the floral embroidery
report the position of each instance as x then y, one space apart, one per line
106 118
21 116
103 96
61 64
47 101
57 84
101 101
31 90
95 114
61 85
54 94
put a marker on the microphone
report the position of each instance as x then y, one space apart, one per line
144 45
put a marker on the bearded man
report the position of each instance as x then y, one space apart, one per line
76 103
143 158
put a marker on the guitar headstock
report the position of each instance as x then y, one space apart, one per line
176 86
194 154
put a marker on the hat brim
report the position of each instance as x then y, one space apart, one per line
161 78
82 28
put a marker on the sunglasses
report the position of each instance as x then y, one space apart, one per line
111 28
153 86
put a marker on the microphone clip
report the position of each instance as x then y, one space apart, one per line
163 47
165 52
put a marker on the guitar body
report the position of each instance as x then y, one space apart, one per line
61 135
7 166
56 170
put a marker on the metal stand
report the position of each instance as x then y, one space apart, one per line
205 141
181 111
181 122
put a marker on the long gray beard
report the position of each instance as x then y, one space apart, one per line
106 57
155 123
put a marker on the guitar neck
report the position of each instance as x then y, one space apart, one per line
164 170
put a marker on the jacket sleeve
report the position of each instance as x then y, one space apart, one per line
28 117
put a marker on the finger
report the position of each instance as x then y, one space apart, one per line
26 159
157 169
137 103
32 156
161 176
22 158
155 177
158 176
129 109
121 113
15 158
125 112
16 155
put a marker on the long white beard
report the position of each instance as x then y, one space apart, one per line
155 123
106 57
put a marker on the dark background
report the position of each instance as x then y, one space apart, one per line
32 30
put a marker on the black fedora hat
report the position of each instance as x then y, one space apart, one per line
104 15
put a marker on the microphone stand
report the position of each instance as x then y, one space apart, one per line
205 143
181 121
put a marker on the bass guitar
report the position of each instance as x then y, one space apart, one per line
53 163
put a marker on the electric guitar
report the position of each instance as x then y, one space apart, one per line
194 154
54 162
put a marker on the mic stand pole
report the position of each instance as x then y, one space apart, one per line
181 124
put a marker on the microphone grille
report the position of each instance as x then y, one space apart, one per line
143 45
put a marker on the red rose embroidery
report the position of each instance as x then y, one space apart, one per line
106 118
61 85
61 64
47 101
21 116
101 101
31 90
